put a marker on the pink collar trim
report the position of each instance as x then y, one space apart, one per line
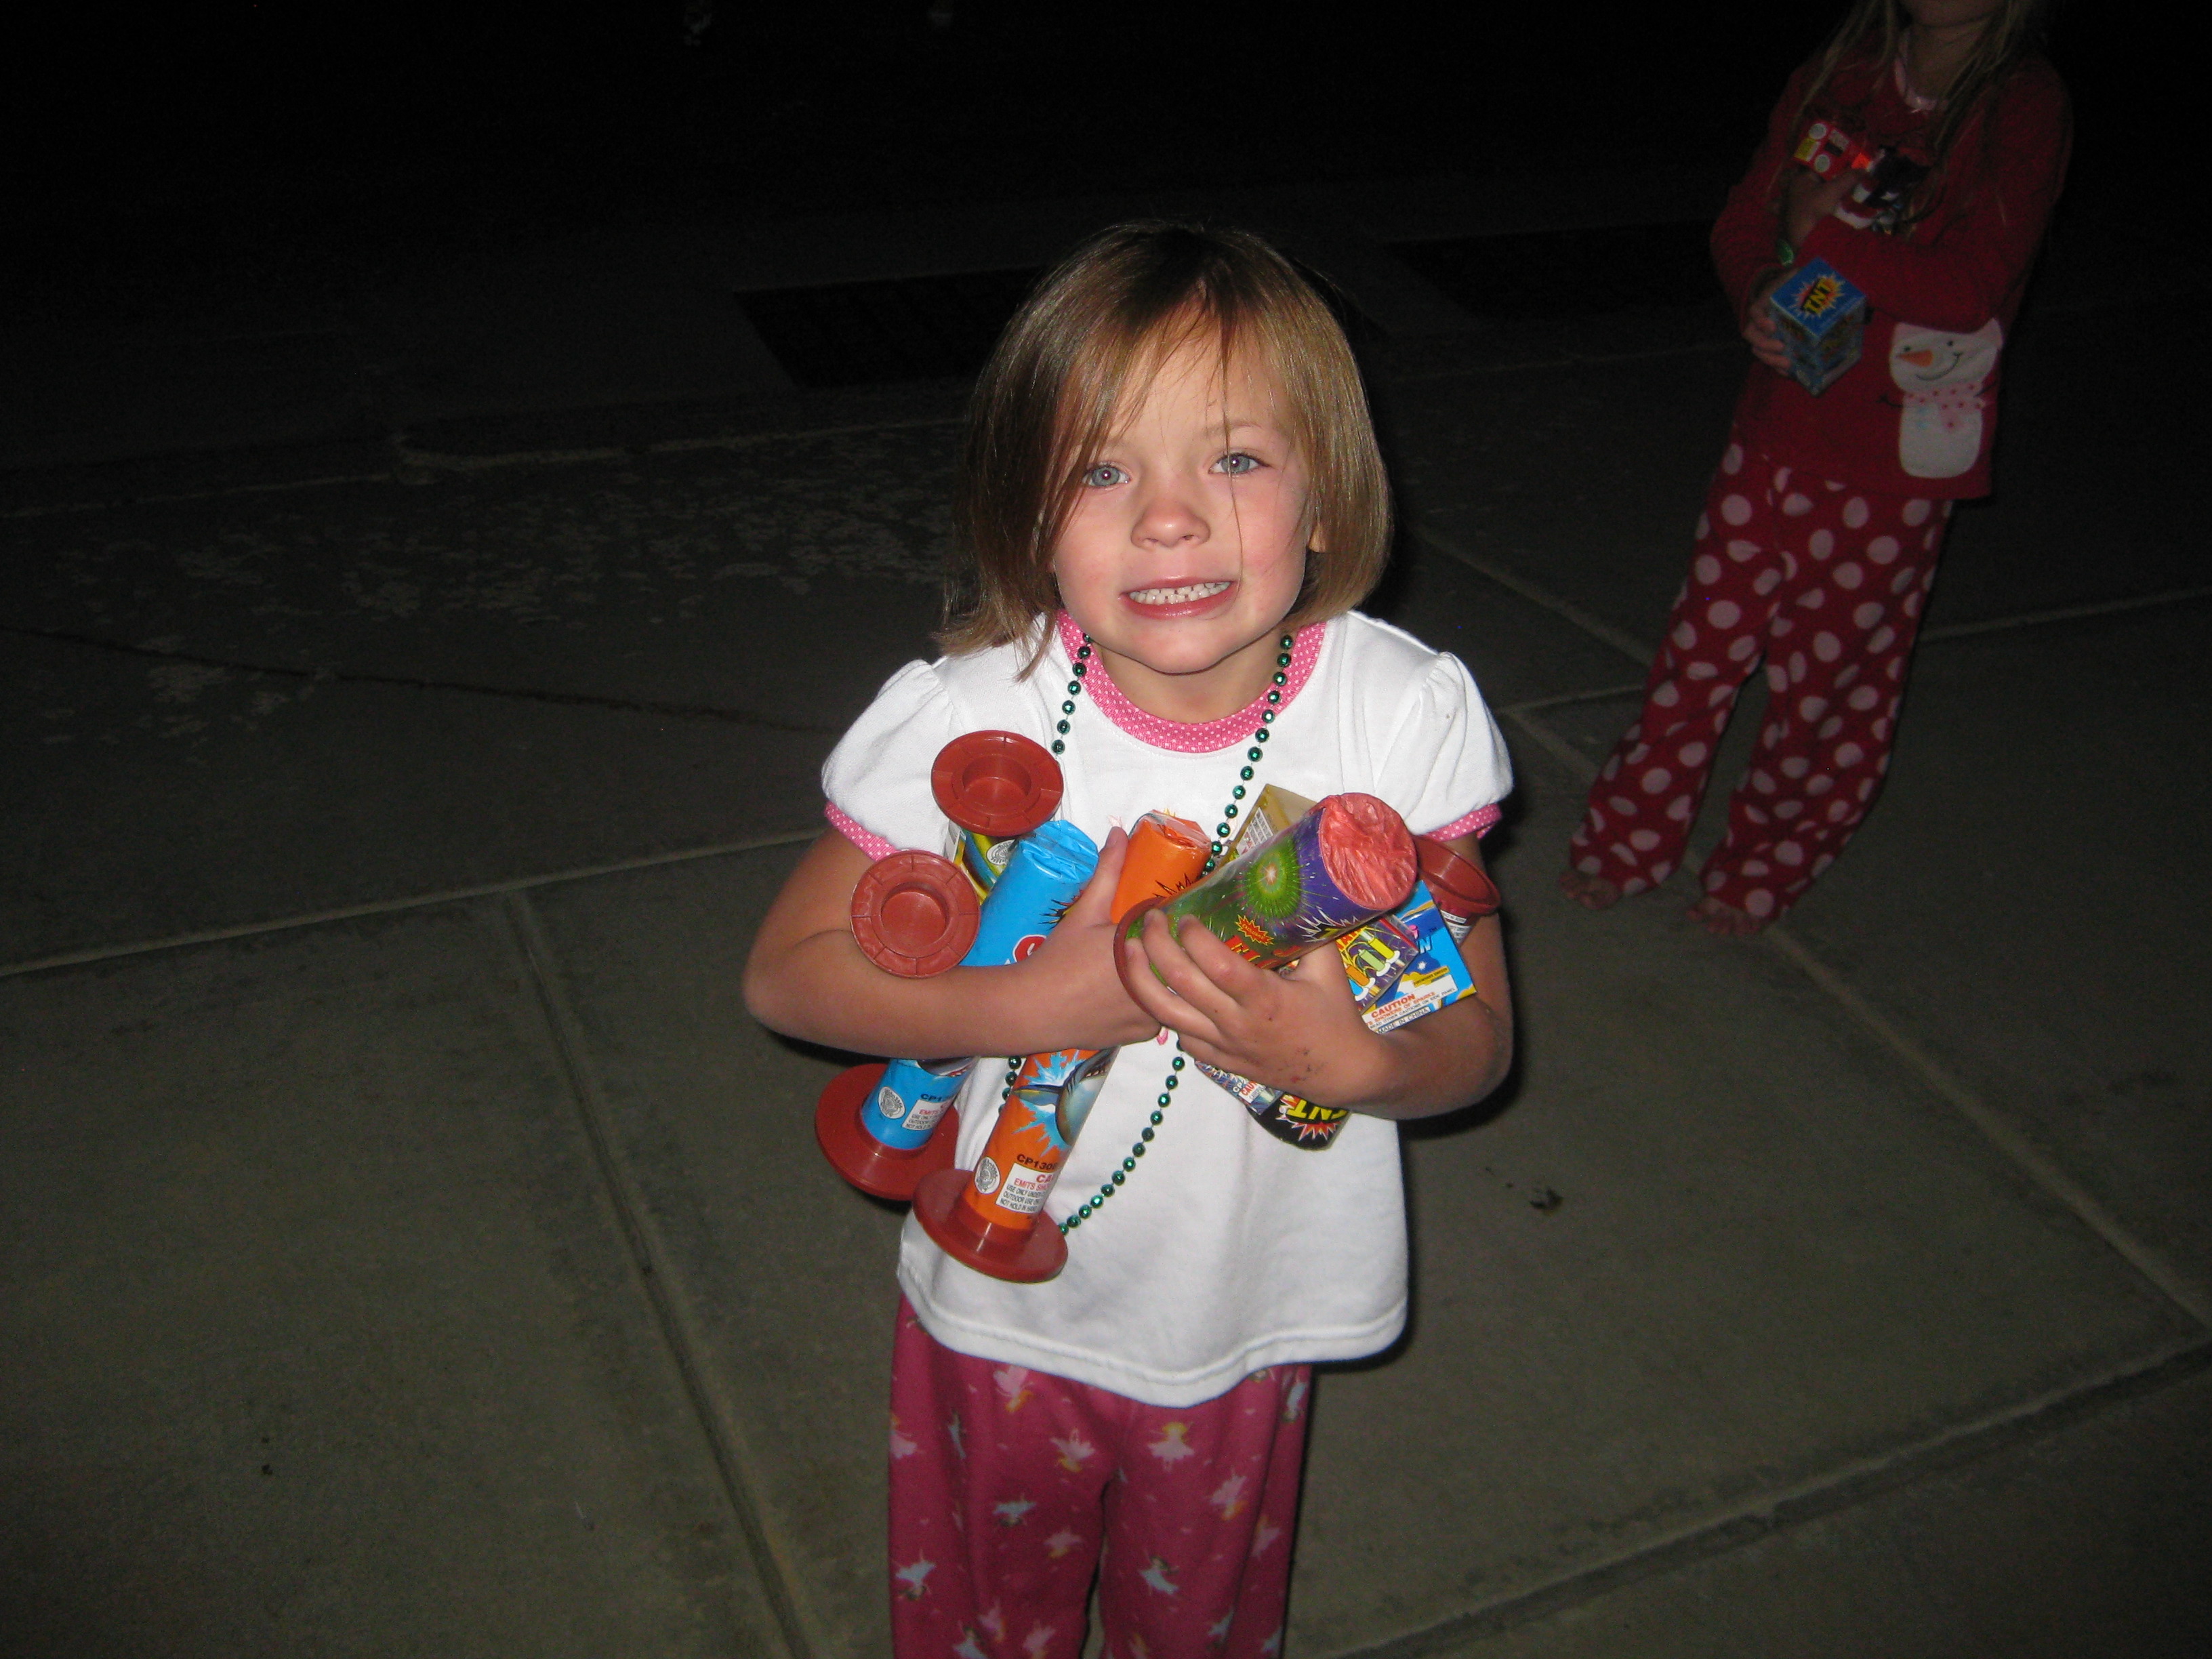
1184 737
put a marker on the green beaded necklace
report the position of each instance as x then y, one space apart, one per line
1218 850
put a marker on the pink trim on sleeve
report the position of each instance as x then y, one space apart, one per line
849 827
1477 823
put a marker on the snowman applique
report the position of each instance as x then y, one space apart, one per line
1942 375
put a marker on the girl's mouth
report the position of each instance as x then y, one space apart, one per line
1189 595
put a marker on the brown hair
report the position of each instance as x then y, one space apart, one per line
1873 32
1089 339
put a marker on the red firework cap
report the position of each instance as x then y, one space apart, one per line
1460 889
1368 851
915 914
995 783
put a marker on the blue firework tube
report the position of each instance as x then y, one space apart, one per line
1048 869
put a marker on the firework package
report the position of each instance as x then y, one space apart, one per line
986 1218
1819 318
1401 966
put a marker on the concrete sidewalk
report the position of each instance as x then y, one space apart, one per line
407 1244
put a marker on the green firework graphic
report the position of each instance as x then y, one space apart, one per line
1272 887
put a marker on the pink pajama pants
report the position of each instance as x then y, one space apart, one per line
1823 581
1012 1489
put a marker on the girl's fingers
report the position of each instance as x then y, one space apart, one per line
1095 903
1159 1003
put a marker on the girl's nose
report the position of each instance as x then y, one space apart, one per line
1168 518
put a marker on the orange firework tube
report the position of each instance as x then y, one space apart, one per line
995 786
988 1217
1461 890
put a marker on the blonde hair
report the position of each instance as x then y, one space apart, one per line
1873 32
1086 343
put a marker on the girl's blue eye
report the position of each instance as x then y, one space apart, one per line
1103 475
1237 463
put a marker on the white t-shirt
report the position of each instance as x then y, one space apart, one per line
1227 1250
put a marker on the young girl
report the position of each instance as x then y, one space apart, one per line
1171 499
1820 533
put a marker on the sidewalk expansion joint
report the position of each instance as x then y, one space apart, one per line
736 1468
2015 1146
415 682
400 906
1843 1489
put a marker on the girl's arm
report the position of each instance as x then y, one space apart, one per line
808 979
1301 1031
1743 237
2008 168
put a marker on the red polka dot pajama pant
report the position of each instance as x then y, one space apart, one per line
1823 581
1012 1489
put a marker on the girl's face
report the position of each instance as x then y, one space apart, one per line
1186 546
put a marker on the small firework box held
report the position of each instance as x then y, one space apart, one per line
1401 966
1821 318
1826 149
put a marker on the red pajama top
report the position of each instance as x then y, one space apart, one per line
1915 415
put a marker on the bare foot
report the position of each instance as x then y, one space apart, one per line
1591 892
1725 920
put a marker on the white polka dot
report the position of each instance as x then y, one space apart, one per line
1592 866
1882 549
1736 510
1679 809
1758 902
1707 569
1594 823
1866 790
1911 605
1789 809
1719 696
1761 782
1896 668
1849 753
1765 582
1830 726
1795 767
1916 511
1643 840
1821 544
1732 458
1848 576
1789 851
1757 867
1743 647
1611 766
1772 735
1846 675
1881 730
1823 862
1796 668
1668 694
1661 871
1622 805
1788 566
1811 708
1838 812
1781 628
1699 670
1751 813
1902 580
1813 598
1743 552
1620 850
1854 512
1933 536
1655 779
1881 640
1724 613
1632 886
1796 506
1638 753
1704 527
1684 635
1867 614
1827 647
1819 784
1694 754
1864 698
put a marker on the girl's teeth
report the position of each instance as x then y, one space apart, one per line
1178 595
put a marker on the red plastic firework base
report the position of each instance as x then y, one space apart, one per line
877 1169
1021 1255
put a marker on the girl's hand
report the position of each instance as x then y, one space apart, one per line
1070 978
1298 1030
1759 325
1807 200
